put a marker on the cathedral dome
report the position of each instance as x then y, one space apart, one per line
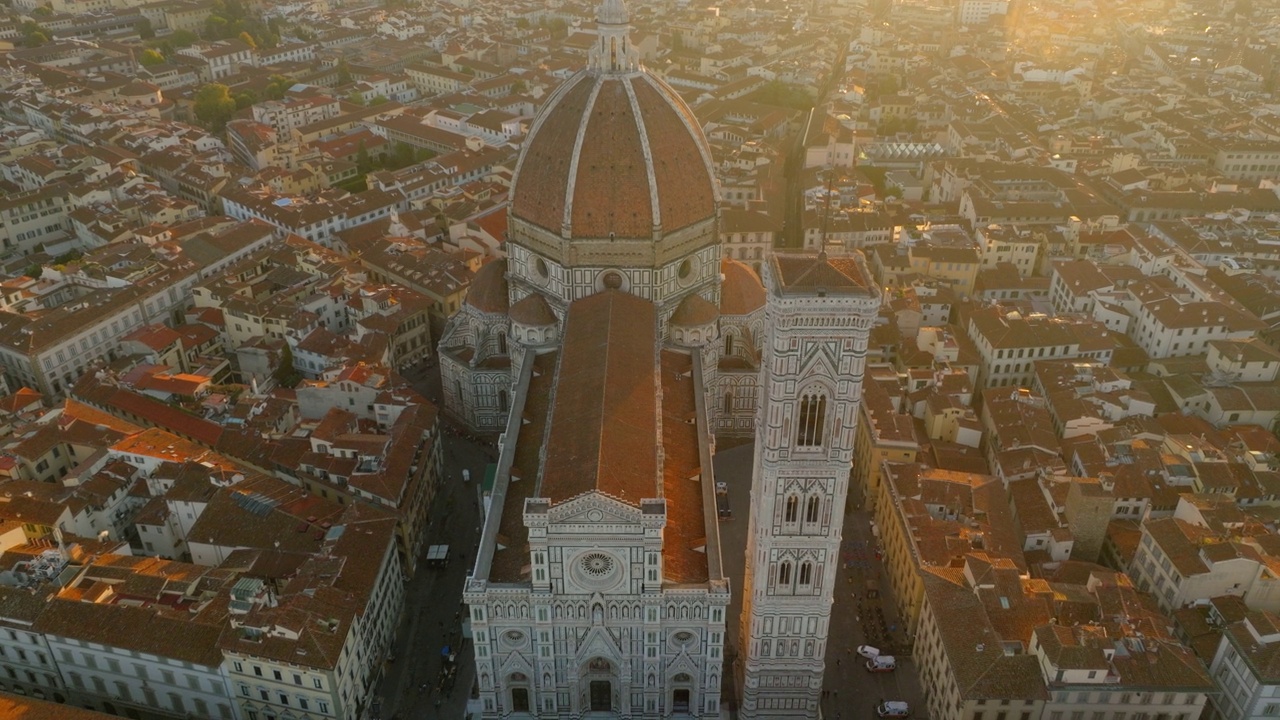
488 291
614 154
741 292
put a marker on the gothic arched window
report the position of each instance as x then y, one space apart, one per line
793 503
806 573
728 344
728 402
813 414
811 509
784 574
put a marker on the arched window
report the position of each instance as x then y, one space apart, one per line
502 343
811 509
784 574
502 401
813 414
728 344
793 505
806 573
728 402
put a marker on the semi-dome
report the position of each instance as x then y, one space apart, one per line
694 311
488 290
533 310
741 291
614 153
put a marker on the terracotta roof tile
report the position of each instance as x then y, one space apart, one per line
604 422
488 290
811 272
684 559
611 190
533 310
694 310
741 292
685 188
543 176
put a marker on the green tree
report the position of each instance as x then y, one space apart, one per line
364 164
150 57
402 155
285 374
36 39
344 73
355 98
214 105
245 99
216 27
183 38
247 39
277 87
377 100
145 29
43 11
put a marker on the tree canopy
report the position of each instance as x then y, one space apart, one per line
150 57
214 105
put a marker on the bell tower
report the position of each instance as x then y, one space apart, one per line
818 314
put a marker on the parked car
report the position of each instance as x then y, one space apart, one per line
868 652
882 663
893 709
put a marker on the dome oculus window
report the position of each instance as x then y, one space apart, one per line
540 267
685 269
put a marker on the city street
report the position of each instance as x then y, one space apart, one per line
852 691
413 686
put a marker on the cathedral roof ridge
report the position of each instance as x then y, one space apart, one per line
604 417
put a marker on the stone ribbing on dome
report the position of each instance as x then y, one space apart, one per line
614 154
548 159
685 193
612 149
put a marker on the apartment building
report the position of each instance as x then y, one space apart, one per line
918 506
1244 667
1008 344
292 113
130 660
34 218
886 433
969 661
1168 321
1019 246
50 350
1085 397
316 650
1205 551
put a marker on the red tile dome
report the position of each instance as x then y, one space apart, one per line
614 154
488 290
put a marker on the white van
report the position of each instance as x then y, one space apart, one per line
882 663
893 709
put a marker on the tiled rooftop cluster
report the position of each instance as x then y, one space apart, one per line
1067 428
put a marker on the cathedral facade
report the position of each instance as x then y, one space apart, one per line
608 349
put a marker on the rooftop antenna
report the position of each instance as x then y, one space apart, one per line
826 215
